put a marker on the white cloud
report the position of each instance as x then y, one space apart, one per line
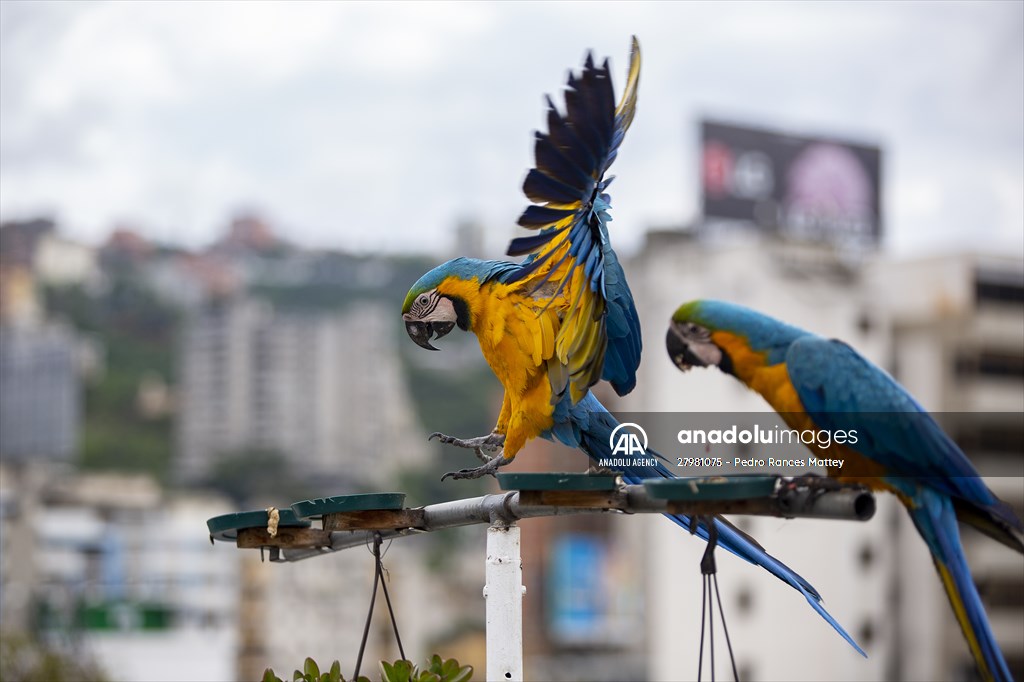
380 124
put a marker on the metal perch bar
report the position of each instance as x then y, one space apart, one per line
352 521
802 500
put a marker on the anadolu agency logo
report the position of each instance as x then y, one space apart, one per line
628 444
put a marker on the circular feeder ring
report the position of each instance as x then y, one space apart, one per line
320 507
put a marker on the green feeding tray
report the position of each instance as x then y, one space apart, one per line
558 481
711 488
309 509
225 527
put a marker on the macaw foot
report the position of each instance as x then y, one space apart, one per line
492 443
488 469
594 470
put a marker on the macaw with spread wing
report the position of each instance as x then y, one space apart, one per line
818 383
555 324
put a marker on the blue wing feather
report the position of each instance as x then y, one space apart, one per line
892 427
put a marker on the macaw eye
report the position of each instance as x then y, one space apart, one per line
422 300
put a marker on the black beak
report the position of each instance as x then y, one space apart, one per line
421 332
441 328
679 350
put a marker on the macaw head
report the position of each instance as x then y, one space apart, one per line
728 336
437 302
688 340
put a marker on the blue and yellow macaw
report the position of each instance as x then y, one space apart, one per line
816 383
563 319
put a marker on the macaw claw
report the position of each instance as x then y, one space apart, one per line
488 469
492 443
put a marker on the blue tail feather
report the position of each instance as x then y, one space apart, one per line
935 518
595 425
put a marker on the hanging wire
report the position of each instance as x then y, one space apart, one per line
391 611
378 573
703 612
709 581
725 628
711 625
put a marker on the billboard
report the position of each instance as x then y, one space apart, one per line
802 188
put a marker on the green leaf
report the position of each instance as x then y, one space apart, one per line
463 674
312 670
335 674
399 671
269 676
297 676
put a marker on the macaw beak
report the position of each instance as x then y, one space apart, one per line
679 350
421 332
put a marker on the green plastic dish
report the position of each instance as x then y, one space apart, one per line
711 488
225 527
557 481
308 509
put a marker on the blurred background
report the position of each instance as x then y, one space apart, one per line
212 212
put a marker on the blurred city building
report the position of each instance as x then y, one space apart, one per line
40 392
188 281
19 297
325 390
247 233
59 261
19 239
19 300
108 567
42 361
125 246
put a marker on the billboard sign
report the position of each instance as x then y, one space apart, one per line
801 188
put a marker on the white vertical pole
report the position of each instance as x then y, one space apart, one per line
504 595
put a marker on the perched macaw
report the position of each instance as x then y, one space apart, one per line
563 319
818 383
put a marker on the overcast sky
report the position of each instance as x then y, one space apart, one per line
379 125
